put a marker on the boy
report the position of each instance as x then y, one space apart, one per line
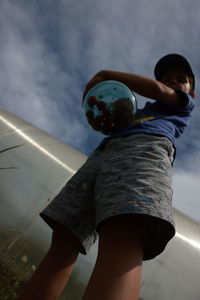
123 192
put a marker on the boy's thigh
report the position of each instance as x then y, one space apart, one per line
123 227
121 238
135 180
74 207
63 238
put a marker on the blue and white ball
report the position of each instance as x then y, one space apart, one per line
109 106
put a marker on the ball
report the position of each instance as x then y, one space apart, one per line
109 106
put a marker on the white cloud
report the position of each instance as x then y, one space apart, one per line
33 83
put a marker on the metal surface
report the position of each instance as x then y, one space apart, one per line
34 166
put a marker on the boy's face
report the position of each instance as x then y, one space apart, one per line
178 80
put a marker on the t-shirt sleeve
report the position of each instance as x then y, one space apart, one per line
188 102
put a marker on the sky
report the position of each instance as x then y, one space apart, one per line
50 49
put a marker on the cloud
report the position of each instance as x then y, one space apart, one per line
49 52
33 82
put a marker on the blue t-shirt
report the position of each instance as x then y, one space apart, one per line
158 119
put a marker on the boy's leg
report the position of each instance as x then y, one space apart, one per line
117 272
49 279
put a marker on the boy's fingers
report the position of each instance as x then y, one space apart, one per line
96 79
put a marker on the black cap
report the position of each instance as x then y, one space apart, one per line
171 61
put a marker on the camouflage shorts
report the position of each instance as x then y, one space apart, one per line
131 175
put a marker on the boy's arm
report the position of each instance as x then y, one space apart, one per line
143 86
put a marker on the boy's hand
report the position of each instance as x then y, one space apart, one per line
96 79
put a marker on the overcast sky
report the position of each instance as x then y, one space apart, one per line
50 49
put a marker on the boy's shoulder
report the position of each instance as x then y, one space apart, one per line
187 101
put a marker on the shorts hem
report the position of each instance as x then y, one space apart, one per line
85 242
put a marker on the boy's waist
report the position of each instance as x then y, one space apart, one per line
135 132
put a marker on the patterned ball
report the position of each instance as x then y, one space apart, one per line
109 106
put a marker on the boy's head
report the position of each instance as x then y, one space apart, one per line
175 71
